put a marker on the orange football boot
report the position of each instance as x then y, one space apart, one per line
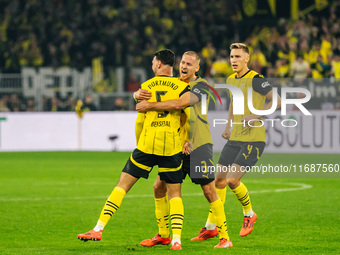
156 240
205 234
248 224
91 235
224 243
176 246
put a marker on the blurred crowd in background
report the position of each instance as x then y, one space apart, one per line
126 33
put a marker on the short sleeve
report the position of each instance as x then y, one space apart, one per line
200 89
187 88
261 85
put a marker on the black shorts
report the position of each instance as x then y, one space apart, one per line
245 154
140 165
198 165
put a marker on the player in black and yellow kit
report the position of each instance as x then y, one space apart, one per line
201 155
158 143
247 140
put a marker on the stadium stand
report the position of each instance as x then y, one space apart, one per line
112 34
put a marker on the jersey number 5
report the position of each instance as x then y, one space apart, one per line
159 99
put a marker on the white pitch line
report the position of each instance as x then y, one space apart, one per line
297 186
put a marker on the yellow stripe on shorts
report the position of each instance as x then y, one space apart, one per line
147 168
164 169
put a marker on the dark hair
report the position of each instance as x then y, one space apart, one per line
167 57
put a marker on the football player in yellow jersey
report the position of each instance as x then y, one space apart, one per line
246 142
201 155
158 143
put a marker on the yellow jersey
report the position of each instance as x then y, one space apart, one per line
260 87
200 130
161 129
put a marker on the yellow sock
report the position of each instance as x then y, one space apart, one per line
162 216
176 215
241 193
111 206
211 219
222 193
217 210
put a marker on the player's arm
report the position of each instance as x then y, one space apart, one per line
142 94
188 122
139 125
183 101
262 86
187 145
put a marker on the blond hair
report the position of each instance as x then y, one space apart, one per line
240 46
193 54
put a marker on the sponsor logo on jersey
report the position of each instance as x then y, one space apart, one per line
265 84
163 123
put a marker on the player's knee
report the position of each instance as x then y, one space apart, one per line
220 183
174 190
209 192
210 196
159 189
233 183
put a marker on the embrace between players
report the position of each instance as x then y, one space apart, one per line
172 132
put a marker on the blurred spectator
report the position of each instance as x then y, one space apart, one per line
282 68
120 104
208 54
258 62
71 104
326 47
30 105
221 66
283 52
314 53
3 104
304 49
335 70
54 104
133 84
292 52
271 72
88 104
315 35
321 69
64 55
300 69
51 57
15 104
57 104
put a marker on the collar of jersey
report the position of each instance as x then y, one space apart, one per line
243 75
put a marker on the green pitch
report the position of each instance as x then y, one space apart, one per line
47 198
